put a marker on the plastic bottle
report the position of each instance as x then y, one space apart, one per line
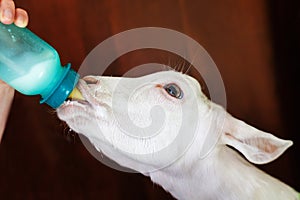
32 67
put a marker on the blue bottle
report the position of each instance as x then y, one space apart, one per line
32 67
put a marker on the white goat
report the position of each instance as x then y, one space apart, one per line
116 111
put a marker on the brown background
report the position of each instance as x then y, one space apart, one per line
255 44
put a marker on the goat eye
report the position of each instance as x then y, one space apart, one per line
173 90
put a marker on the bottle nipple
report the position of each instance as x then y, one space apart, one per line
76 94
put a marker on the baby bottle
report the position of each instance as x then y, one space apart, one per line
32 67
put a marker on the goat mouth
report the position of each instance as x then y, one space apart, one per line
79 101
89 99
82 99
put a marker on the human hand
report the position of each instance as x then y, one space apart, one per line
10 14
6 97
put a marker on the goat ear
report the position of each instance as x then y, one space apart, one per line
257 146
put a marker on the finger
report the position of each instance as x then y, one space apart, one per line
7 11
21 18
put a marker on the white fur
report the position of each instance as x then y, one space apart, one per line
120 109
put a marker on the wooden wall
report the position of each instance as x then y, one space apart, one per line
41 159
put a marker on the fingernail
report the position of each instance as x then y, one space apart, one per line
7 14
20 21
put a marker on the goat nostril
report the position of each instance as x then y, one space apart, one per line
91 80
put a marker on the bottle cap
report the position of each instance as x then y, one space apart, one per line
62 89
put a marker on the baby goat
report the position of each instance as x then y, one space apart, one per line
163 126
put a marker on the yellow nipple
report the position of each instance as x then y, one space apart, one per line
76 94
